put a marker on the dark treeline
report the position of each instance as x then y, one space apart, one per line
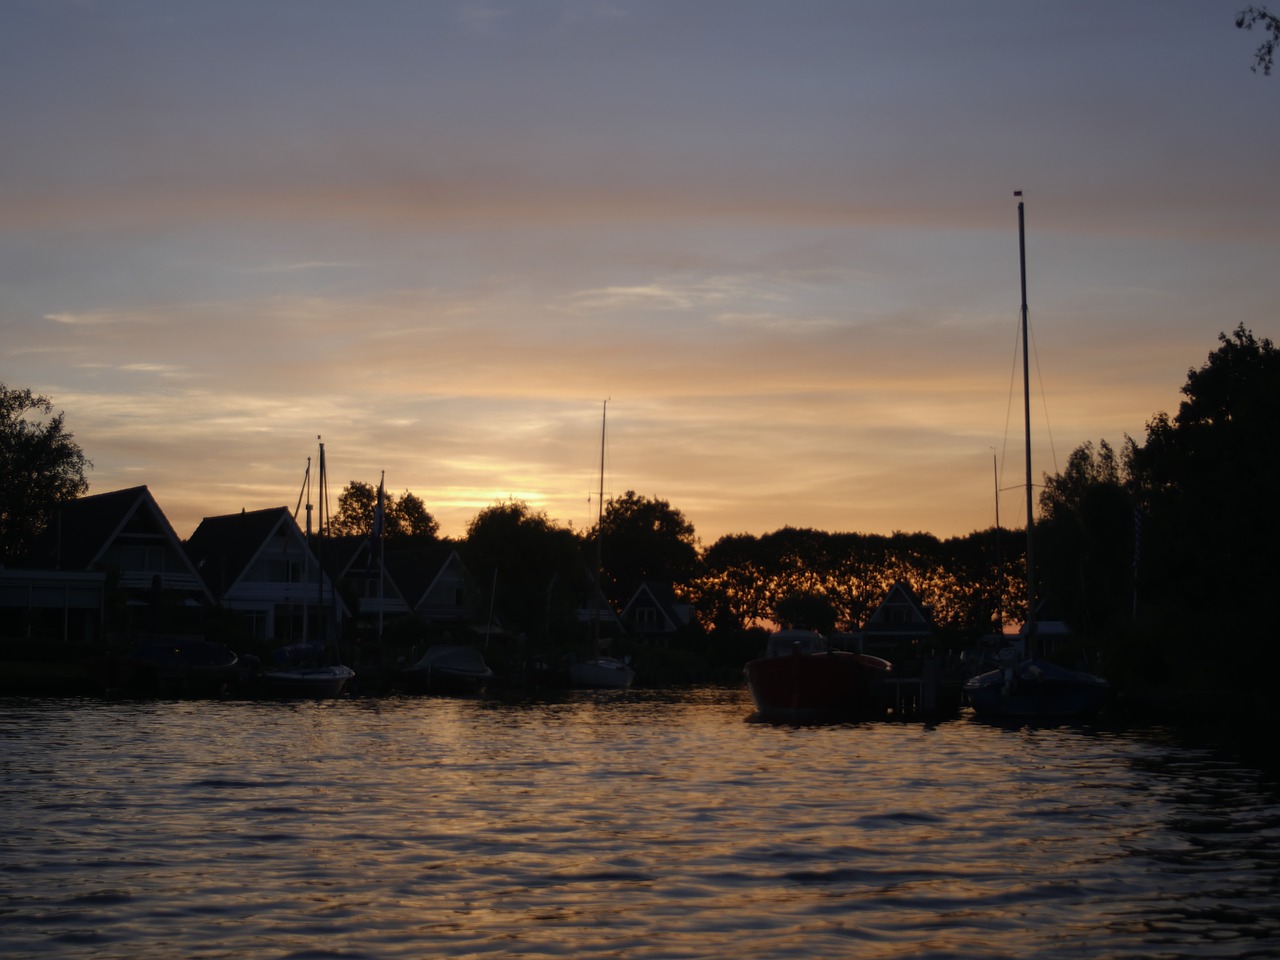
1159 555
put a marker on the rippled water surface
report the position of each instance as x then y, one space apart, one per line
639 826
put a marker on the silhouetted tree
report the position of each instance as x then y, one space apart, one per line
41 465
1264 56
806 611
405 516
541 578
645 539
1086 538
1205 482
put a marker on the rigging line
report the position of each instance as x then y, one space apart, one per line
306 478
1008 413
1044 399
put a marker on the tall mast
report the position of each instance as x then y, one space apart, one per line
320 523
1026 435
595 600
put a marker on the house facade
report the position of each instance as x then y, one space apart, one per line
898 625
654 614
106 562
259 565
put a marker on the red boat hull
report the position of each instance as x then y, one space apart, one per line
818 686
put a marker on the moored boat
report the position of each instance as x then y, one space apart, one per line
168 666
1032 688
308 669
800 678
601 673
316 683
448 668
1036 689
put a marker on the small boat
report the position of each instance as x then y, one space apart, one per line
1032 688
800 678
448 668
1036 689
169 666
601 673
314 683
306 669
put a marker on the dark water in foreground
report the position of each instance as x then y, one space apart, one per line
643 826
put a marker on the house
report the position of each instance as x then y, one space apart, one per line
259 565
427 579
654 614
110 561
899 625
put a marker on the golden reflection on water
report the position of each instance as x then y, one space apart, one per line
638 825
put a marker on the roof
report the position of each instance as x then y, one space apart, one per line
223 547
662 598
90 532
887 617
80 530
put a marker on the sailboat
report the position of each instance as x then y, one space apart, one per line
311 677
600 672
1032 688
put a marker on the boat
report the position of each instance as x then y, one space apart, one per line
314 682
448 668
600 672
308 670
1030 687
161 665
801 678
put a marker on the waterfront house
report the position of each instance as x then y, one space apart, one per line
426 578
898 626
655 615
259 565
109 562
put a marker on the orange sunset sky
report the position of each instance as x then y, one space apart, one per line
780 237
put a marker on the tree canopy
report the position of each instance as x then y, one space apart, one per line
645 538
41 465
1269 23
535 568
403 516
1205 483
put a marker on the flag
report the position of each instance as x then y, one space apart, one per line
375 536
380 507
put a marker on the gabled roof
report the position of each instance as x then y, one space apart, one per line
226 548
416 570
900 612
660 597
223 547
81 530
82 533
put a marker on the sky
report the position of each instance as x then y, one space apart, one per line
779 238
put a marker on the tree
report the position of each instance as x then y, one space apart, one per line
1250 17
41 465
541 577
410 518
406 516
1204 479
1086 537
645 539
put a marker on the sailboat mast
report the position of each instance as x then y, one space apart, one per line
1026 431
320 522
595 601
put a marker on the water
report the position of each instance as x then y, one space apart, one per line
645 825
